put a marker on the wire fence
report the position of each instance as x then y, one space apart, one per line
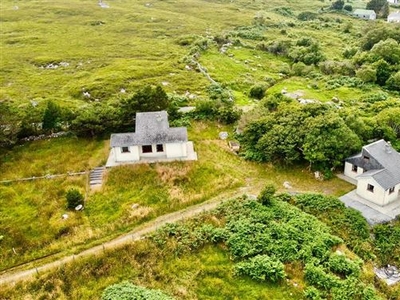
48 176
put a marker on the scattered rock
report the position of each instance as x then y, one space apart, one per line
165 83
318 175
122 91
79 207
64 216
187 67
390 274
223 135
287 185
135 206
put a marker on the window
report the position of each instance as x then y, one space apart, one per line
125 150
391 190
160 148
370 188
354 168
366 158
147 149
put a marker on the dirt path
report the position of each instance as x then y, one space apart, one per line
134 235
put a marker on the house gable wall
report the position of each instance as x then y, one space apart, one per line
348 170
377 196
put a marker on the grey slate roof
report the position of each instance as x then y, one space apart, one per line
364 12
151 128
383 164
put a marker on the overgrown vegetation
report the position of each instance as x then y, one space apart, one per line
264 243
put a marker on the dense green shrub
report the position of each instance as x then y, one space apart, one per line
317 276
74 198
348 7
258 91
307 16
266 194
312 293
127 291
343 266
262 268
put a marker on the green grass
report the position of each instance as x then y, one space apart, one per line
35 228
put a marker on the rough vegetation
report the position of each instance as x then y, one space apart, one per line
306 83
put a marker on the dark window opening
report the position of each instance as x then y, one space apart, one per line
147 149
370 188
125 150
366 158
354 168
391 190
160 148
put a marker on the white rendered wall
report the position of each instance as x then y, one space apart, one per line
348 170
393 196
377 197
176 150
153 154
132 155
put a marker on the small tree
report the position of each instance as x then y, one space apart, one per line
338 5
258 91
51 117
348 7
266 194
74 198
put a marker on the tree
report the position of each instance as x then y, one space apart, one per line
348 7
96 120
389 122
328 141
338 5
366 73
381 7
146 99
74 198
388 50
258 91
383 71
393 82
127 291
51 117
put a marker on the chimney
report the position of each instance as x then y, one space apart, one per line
388 147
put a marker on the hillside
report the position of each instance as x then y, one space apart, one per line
301 86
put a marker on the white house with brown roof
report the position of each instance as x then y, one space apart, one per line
152 141
376 170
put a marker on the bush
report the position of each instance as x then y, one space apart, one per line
128 291
343 266
258 91
266 194
307 16
262 268
348 7
74 198
316 275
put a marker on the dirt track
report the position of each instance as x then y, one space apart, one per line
134 235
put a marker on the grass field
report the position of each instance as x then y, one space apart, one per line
34 228
131 44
